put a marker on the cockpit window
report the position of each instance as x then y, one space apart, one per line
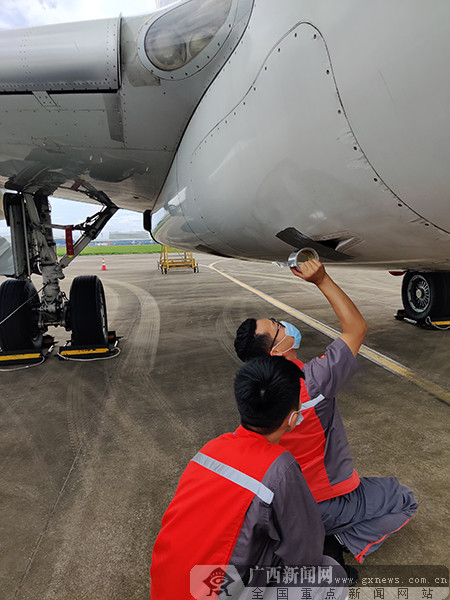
177 37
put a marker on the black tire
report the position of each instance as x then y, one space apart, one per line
21 330
426 295
88 318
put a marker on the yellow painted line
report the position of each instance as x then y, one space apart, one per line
376 357
19 356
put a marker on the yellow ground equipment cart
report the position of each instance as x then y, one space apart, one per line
176 259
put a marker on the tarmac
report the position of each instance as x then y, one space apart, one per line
91 452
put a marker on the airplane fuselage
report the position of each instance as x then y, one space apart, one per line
300 120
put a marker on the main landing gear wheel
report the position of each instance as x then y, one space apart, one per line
21 330
88 318
426 295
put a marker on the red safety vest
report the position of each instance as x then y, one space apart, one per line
307 443
204 519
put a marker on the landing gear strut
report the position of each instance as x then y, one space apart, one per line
426 295
24 317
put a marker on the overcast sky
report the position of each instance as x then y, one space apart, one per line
26 13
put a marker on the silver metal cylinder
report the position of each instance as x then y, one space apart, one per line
296 258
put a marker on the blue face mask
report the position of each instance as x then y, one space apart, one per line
300 418
292 332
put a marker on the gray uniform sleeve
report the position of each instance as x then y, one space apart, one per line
289 531
329 373
294 521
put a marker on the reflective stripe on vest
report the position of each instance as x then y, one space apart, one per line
245 481
313 402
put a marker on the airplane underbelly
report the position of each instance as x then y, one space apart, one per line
286 157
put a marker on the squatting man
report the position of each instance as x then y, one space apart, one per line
243 501
358 513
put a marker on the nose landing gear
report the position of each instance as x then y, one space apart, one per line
24 317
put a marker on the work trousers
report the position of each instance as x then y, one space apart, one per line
365 517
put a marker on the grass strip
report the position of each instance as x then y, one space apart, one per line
107 250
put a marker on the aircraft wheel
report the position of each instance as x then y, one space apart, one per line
425 294
88 319
21 330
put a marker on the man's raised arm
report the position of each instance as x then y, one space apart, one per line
353 325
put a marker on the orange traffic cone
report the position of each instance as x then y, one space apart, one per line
103 265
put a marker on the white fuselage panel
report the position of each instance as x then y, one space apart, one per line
304 128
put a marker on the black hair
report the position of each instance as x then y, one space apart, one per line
247 344
266 390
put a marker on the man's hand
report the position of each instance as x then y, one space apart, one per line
310 270
353 324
